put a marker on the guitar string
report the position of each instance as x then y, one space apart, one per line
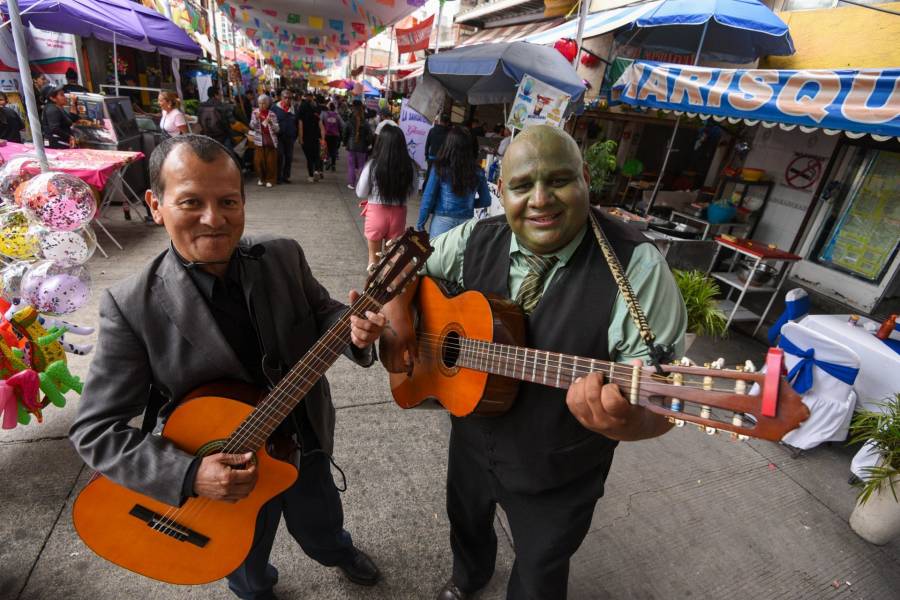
273 404
563 364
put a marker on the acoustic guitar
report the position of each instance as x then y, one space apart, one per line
471 361
204 540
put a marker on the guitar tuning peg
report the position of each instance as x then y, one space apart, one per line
389 243
749 367
379 254
711 430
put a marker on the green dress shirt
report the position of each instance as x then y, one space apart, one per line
650 277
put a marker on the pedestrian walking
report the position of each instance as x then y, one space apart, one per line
435 140
287 134
213 118
357 138
312 136
457 185
264 125
385 185
334 126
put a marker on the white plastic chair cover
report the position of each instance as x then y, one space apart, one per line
830 401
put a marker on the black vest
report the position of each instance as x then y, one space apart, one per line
538 444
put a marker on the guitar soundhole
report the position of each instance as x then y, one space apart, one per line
450 350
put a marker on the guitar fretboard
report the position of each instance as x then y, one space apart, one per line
536 366
253 432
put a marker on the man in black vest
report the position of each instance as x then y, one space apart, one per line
545 461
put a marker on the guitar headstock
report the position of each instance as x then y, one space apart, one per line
726 399
401 261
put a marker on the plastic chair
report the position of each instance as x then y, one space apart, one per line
831 398
796 306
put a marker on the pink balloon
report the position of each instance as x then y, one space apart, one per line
59 201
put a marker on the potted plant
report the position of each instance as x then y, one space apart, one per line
600 158
703 314
876 517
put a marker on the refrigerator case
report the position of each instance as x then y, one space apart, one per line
108 123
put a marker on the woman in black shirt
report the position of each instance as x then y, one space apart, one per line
57 121
11 124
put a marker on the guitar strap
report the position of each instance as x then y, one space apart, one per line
659 354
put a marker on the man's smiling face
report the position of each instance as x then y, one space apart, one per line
544 188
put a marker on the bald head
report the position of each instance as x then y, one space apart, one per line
544 188
541 140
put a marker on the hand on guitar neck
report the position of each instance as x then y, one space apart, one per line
602 409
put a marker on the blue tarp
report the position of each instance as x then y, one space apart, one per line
490 73
857 101
739 31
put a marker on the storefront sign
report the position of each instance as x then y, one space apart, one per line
49 52
853 100
415 127
537 103
416 37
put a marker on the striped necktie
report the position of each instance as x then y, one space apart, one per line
533 285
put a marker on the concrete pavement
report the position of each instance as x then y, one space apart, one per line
684 516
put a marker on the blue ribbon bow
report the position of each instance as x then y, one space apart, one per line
793 310
801 376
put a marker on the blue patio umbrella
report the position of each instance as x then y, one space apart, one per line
738 31
369 89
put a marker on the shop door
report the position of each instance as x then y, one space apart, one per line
862 236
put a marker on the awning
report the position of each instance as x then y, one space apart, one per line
855 101
511 33
595 24
126 23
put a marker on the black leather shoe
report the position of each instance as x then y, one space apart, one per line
451 592
361 570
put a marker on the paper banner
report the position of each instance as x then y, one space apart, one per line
316 22
416 37
537 103
336 24
293 18
270 12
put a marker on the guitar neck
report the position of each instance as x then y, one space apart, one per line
253 432
536 366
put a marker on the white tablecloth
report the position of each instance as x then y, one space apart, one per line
879 371
879 366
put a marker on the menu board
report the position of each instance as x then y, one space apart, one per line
537 103
866 236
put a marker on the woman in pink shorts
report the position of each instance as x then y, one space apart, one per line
385 184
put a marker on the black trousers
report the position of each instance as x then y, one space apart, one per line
313 158
334 145
547 527
285 157
314 517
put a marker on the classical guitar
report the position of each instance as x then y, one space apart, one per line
471 361
204 540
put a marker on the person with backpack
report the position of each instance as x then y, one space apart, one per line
334 126
287 134
357 138
213 120
385 185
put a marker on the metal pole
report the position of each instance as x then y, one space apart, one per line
579 36
387 79
437 35
18 32
116 63
212 20
662 170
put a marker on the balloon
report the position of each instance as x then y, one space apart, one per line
11 279
12 174
59 201
15 239
56 289
65 247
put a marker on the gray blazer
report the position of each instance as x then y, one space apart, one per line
156 330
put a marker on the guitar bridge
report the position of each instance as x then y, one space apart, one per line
168 527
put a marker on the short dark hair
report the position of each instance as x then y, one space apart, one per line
212 91
205 148
71 74
445 119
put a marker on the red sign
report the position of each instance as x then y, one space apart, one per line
416 37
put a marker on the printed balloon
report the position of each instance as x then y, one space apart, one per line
59 201
11 279
16 239
66 247
56 289
13 174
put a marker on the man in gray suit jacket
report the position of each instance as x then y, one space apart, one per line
217 306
